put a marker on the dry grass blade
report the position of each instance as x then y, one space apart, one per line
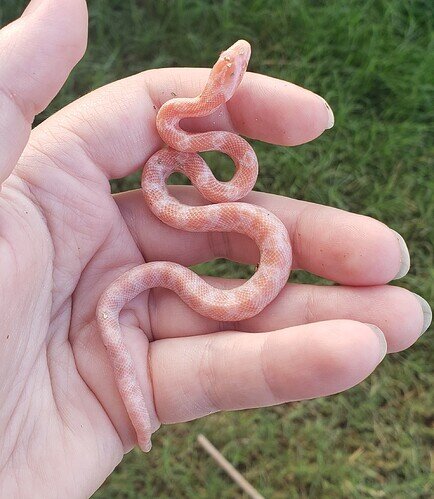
227 466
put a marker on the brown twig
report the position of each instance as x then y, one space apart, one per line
227 466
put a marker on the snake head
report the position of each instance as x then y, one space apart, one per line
229 70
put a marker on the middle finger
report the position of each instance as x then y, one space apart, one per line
344 247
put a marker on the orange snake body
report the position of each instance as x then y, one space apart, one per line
263 227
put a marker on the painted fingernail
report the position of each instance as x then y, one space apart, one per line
405 256
381 339
427 312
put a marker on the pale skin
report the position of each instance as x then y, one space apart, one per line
64 238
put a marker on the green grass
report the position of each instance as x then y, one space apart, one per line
373 61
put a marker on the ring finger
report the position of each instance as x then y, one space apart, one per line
396 311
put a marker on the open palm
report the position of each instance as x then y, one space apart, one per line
64 238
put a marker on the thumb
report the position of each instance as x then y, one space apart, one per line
37 53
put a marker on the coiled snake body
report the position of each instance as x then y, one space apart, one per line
264 228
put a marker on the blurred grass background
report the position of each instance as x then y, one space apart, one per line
373 61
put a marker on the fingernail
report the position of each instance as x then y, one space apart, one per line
381 339
330 115
427 313
405 256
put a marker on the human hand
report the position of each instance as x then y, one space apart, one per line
64 238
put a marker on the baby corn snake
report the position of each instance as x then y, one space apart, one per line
227 215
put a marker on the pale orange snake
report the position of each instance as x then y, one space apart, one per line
263 227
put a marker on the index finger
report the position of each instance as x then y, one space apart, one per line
116 123
262 108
